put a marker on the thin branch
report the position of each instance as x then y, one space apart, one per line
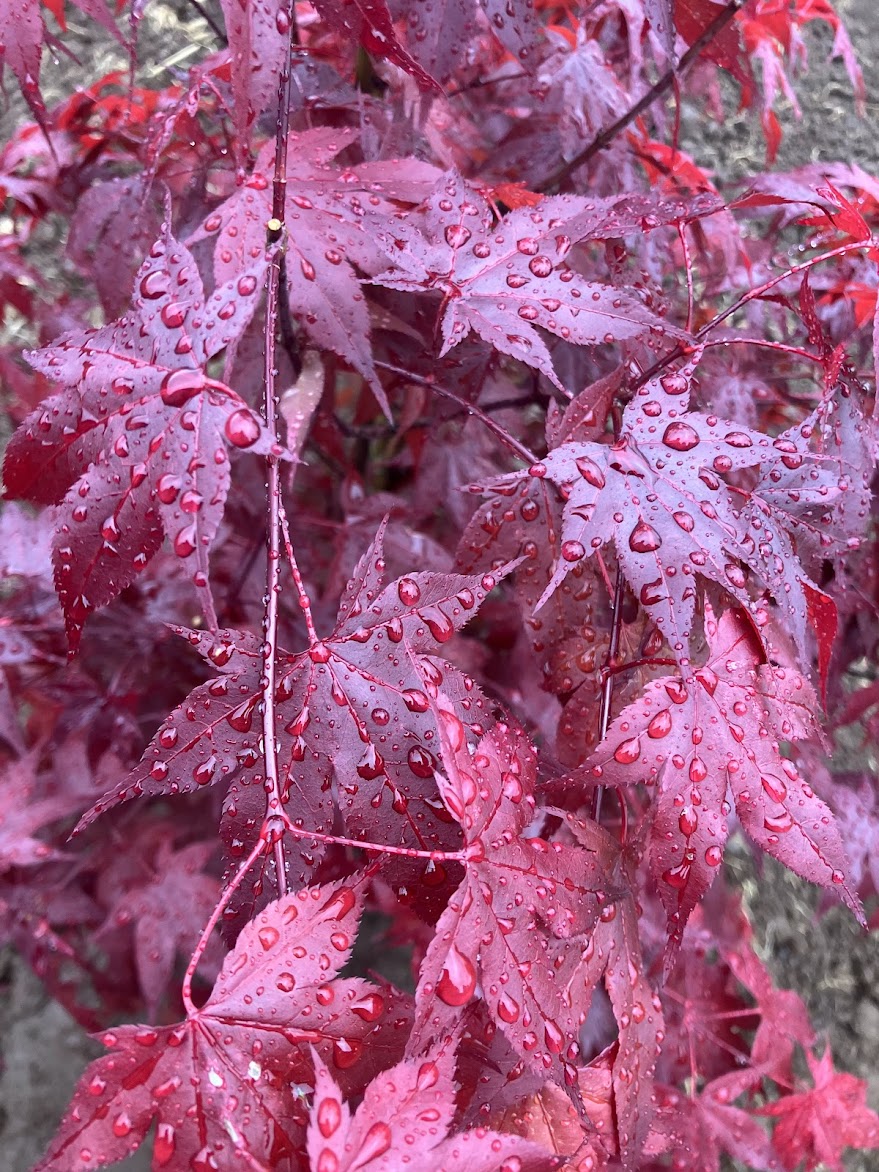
613 648
302 594
684 348
223 903
408 852
763 289
606 137
471 409
274 241
210 22
766 344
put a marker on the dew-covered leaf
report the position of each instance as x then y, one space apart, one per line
235 1060
710 745
405 1120
501 280
137 443
355 722
816 1124
521 903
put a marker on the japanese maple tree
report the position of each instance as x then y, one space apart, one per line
439 520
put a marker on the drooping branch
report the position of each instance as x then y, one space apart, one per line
606 136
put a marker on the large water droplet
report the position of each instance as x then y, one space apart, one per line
660 725
421 762
688 822
374 1144
508 1009
439 624
680 437
591 472
329 1117
268 936
644 538
457 982
628 751
409 591
242 428
457 235
179 386
775 788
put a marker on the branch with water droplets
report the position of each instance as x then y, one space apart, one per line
222 904
274 232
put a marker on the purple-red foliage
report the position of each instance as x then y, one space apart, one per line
448 519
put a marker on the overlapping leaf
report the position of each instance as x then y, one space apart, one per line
439 36
168 911
404 1121
614 954
660 494
501 280
354 717
22 814
510 928
138 438
22 33
259 36
710 745
325 208
227 1073
816 1125
696 1129
369 23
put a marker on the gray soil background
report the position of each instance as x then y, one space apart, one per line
833 966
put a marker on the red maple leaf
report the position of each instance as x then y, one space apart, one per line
22 33
22 813
659 493
503 279
369 22
710 744
259 37
227 1074
405 1121
548 1117
325 238
613 953
520 903
814 1126
439 38
168 912
138 439
696 1129
353 709
784 1019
